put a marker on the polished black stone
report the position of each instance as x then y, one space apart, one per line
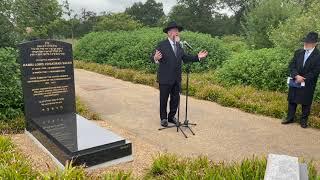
47 78
49 99
72 137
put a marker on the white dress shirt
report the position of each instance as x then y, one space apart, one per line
306 55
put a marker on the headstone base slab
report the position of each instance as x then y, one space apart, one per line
83 143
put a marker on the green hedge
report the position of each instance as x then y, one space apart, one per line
133 49
11 103
265 69
235 43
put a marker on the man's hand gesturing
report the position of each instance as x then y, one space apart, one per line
157 56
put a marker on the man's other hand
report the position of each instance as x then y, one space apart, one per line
202 54
299 79
157 56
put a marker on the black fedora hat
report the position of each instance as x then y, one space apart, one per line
172 25
312 37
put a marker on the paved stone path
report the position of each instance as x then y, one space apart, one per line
222 133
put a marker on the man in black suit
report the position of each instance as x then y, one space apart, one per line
304 71
169 55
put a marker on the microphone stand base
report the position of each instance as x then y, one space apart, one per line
178 126
187 125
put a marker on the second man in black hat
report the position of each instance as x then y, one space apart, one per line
169 55
304 72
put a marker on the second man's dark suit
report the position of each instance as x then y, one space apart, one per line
310 70
169 76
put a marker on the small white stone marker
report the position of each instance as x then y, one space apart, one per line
282 167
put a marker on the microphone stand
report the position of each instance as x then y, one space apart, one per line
186 122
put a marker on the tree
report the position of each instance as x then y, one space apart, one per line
116 22
202 16
7 30
87 20
37 14
149 13
59 29
71 16
289 34
238 8
74 25
260 19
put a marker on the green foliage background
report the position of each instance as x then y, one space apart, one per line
264 69
10 85
290 33
133 49
117 22
263 16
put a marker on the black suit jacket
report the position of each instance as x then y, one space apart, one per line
170 66
310 71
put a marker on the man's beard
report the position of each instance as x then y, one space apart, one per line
176 38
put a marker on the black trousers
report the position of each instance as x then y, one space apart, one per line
173 91
292 111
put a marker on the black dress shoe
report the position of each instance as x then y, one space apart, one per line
304 123
164 122
173 120
286 121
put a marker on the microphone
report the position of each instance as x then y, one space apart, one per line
187 44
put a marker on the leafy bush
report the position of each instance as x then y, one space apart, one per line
290 33
133 49
234 43
265 69
11 104
217 52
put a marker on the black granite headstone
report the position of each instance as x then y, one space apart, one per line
48 78
49 99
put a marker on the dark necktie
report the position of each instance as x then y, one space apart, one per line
175 48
